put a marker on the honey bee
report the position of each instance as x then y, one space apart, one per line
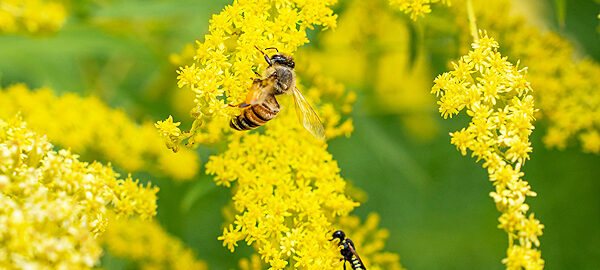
261 105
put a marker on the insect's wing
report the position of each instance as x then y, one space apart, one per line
351 246
307 116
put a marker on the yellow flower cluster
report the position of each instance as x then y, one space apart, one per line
224 62
497 97
87 125
32 16
147 243
288 193
566 87
416 8
367 238
370 241
54 206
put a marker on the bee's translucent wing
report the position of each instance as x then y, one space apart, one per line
307 116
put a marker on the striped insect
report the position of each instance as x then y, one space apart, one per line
348 251
261 105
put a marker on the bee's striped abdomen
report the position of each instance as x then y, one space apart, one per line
254 116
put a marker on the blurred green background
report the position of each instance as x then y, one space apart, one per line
434 201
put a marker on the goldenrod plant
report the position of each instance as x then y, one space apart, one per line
497 96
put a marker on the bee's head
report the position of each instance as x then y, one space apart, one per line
338 234
283 59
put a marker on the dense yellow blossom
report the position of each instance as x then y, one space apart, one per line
566 87
368 239
225 62
54 206
147 243
86 125
32 16
498 98
288 193
286 233
416 8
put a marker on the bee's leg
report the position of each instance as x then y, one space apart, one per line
257 74
344 264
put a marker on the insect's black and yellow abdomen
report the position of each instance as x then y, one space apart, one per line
249 119
356 264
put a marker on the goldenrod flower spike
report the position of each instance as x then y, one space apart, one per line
55 206
497 96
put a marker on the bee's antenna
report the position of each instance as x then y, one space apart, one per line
272 48
265 55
